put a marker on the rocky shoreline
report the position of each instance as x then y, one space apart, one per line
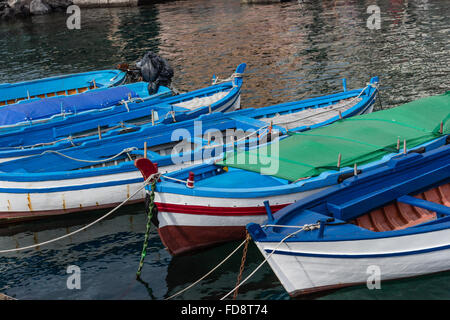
12 9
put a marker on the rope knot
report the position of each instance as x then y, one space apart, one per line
153 178
309 227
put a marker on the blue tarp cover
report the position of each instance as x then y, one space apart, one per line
46 108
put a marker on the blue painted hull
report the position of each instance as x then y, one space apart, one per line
75 180
38 111
11 93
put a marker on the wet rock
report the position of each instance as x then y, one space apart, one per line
59 5
21 8
11 9
6 13
39 7
17 4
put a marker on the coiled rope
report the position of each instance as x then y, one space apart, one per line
86 226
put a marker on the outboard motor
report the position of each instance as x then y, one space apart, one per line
155 70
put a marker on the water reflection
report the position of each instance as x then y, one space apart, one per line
292 50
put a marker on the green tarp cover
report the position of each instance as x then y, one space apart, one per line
360 139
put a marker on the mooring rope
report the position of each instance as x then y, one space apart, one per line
148 227
174 179
207 274
86 226
306 227
127 150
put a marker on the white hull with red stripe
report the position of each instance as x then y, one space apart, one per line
187 223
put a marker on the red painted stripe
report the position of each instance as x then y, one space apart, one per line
217 211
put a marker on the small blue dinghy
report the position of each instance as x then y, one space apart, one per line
70 84
43 110
389 223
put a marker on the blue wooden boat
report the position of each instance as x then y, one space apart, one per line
37 111
388 223
101 173
229 193
221 97
63 85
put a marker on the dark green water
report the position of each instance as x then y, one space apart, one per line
292 50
